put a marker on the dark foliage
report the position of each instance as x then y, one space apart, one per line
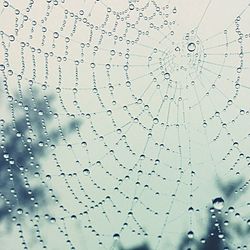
25 141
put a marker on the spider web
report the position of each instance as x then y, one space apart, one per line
158 96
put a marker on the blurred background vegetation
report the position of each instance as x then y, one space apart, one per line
25 142
221 233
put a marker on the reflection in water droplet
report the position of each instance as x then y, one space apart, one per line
55 34
218 203
221 235
2 67
166 76
19 211
12 38
177 48
190 234
191 47
86 171
131 6
203 241
156 120
52 220
116 236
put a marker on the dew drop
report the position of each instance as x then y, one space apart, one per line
86 171
2 67
221 235
155 120
203 241
19 211
131 6
12 38
5 4
52 220
218 203
190 234
167 76
116 236
55 35
73 217
191 47
6 155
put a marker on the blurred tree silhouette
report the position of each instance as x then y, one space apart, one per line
25 140
217 229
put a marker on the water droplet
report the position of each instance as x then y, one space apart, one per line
5 4
18 134
36 174
73 217
12 38
190 234
167 76
177 48
48 177
52 220
2 67
221 235
19 211
191 47
131 6
203 241
156 120
218 203
6 155
116 236
86 171
55 35
109 112
204 124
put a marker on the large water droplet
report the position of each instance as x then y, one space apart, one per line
86 171
19 211
55 35
52 220
2 67
191 47
190 234
167 76
218 203
116 236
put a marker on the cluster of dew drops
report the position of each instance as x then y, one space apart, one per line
218 203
